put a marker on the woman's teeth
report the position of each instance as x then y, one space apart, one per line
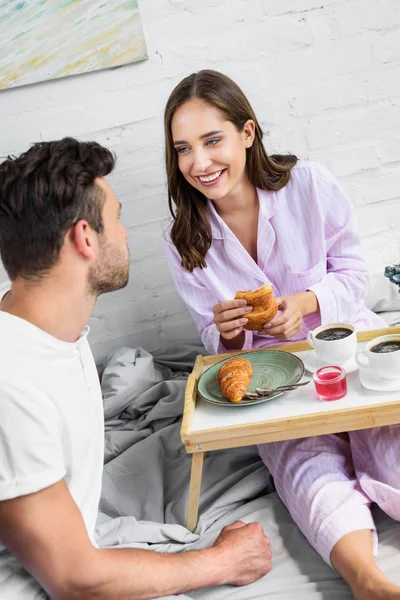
209 178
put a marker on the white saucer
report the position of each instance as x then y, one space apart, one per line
372 381
312 363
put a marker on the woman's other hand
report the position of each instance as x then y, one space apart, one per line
290 321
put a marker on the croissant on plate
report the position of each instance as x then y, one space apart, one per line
264 306
233 378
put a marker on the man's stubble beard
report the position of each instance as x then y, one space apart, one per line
111 271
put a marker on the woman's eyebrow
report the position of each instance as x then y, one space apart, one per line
205 135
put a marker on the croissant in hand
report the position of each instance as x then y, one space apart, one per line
233 378
264 306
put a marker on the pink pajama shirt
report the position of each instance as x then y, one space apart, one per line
306 241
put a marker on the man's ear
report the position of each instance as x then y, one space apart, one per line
82 236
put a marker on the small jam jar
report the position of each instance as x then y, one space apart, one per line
330 383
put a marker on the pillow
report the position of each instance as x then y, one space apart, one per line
382 294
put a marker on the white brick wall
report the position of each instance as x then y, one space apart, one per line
324 78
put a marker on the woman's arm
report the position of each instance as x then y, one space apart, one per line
343 290
201 304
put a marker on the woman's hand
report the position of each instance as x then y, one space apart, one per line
230 317
290 321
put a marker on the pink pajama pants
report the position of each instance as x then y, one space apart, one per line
328 483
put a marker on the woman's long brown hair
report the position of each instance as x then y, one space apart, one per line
191 231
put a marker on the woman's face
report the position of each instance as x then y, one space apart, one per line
211 152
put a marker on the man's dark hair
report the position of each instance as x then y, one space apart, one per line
43 193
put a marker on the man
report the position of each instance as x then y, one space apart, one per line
62 244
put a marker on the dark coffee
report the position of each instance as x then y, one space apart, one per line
384 347
334 333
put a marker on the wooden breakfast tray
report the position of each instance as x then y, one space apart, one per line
297 414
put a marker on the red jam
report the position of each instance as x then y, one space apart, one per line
330 383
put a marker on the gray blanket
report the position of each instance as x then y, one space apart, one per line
146 479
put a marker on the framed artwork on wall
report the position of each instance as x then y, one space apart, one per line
49 39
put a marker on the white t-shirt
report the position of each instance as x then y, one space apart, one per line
51 427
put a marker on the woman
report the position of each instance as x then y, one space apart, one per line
240 218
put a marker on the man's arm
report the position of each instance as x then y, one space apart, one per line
46 533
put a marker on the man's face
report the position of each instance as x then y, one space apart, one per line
110 271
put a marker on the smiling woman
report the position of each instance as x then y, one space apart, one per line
225 139
215 159
240 219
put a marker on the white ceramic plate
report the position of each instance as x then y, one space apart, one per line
372 381
312 363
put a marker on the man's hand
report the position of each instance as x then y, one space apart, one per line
230 317
245 551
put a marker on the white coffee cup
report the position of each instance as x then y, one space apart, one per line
387 364
334 352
